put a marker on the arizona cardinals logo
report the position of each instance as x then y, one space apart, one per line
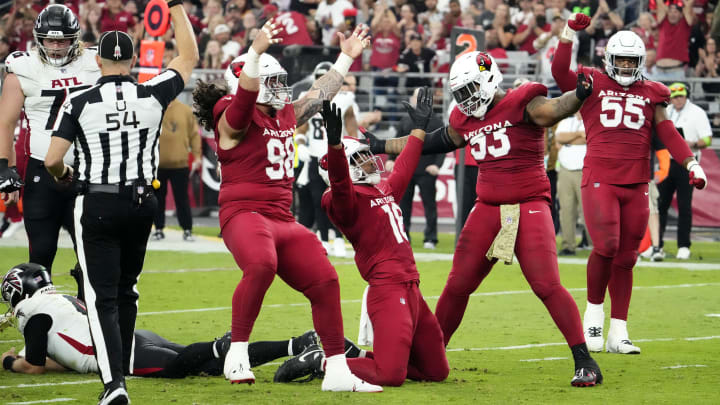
484 62
237 68
324 162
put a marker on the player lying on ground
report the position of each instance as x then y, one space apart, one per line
512 213
57 337
620 116
408 342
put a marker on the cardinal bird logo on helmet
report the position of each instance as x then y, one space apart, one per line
237 68
484 62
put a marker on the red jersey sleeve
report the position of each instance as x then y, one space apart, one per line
405 166
566 79
219 109
339 201
659 93
529 91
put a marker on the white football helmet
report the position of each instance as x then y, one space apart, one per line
273 80
474 80
628 44
358 154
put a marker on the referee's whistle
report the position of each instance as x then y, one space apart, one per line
155 184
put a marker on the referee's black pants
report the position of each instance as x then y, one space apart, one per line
112 234
179 179
678 179
428 190
47 207
311 211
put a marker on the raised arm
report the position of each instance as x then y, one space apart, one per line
351 124
442 140
561 72
327 86
660 11
188 54
688 12
546 112
339 201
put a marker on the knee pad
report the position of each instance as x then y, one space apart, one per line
607 247
543 289
626 259
393 377
263 272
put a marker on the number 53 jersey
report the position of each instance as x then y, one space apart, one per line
618 124
510 152
46 88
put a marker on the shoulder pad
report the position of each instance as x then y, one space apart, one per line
529 91
18 62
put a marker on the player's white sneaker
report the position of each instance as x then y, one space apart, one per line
647 254
237 364
618 340
338 377
339 249
683 253
593 321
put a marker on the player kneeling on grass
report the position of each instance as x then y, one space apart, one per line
512 213
57 336
408 341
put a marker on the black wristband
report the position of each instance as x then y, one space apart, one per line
8 362
174 3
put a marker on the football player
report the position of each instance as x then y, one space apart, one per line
313 139
254 129
408 342
620 116
504 130
37 83
57 336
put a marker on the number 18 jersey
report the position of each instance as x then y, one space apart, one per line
257 174
618 124
46 88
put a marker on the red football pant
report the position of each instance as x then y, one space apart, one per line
535 251
408 342
263 247
616 218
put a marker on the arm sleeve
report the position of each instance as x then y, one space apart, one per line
673 141
69 127
240 111
36 339
405 166
565 78
339 202
439 159
165 86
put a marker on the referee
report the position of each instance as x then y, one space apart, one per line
115 126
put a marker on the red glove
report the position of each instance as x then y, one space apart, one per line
578 21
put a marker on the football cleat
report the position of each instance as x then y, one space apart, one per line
658 254
647 253
683 253
237 366
158 235
586 377
307 364
116 396
621 346
347 382
221 345
302 342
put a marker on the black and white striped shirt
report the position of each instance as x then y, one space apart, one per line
115 127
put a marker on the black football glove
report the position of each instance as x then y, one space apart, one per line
421 113
584 87
333 122
377 145
9 178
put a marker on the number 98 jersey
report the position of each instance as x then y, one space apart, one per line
46 88
618 124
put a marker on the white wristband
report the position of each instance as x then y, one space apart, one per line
343 63
692 164
567 33
252 64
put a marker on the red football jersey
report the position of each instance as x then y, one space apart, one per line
294 30
257 174
509 152
371 219
618 124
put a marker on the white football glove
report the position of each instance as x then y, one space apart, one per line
697 175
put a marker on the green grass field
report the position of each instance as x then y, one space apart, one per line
506 351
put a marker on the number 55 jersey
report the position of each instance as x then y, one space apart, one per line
46 88
618 124
509 151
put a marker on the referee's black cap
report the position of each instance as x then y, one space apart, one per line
115 45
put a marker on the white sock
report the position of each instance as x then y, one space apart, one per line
242 348
337 364
594 309
618 329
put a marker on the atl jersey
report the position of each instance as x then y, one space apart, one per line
618 123
509 151
317 135
371 219
69 342
46 88
257 174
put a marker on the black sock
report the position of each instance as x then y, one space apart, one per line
263 352
190 360
581 355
